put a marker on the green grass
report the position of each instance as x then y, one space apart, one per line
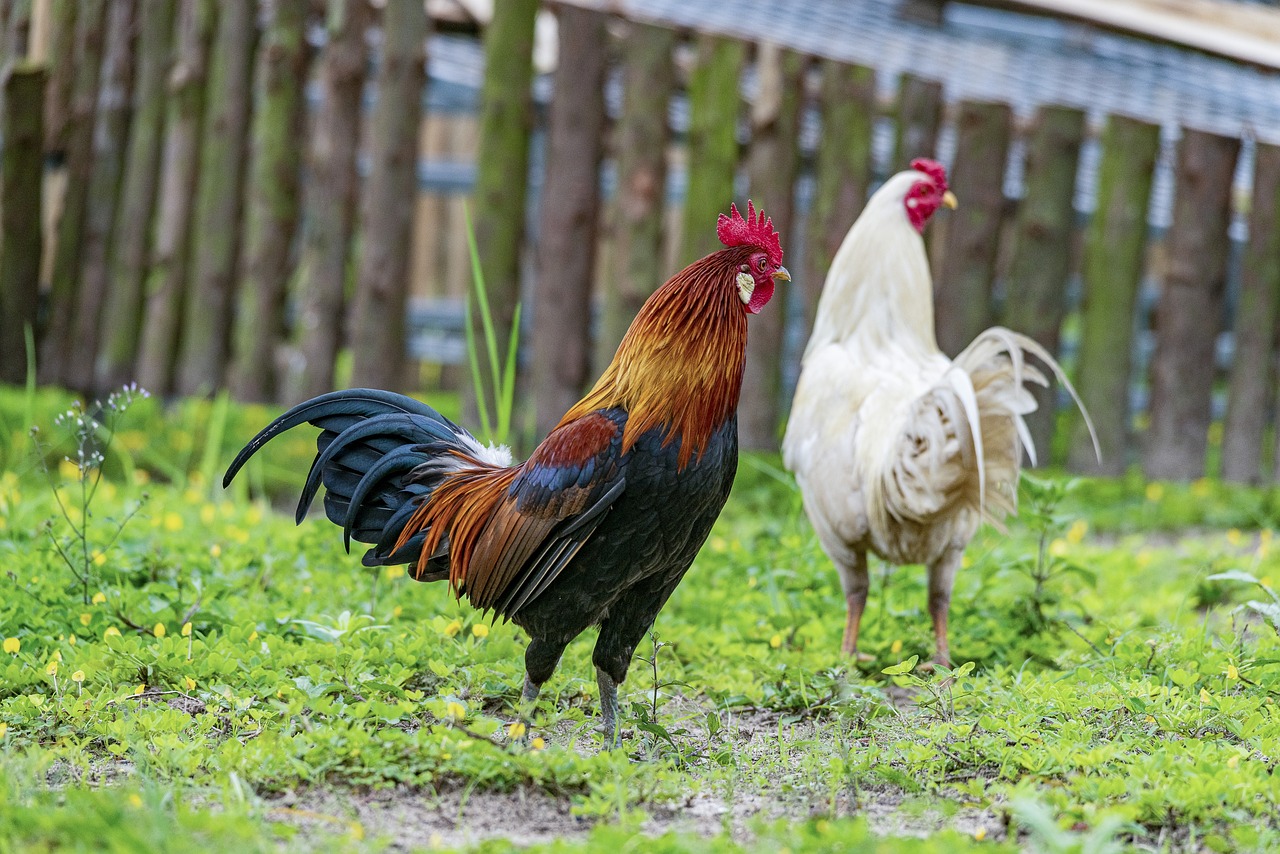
1117 693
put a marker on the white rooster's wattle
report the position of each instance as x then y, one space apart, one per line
899 450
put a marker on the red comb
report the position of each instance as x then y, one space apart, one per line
933 169
755 230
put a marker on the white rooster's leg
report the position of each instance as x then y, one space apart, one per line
942 575
854 580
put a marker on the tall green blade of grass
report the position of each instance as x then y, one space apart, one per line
504 376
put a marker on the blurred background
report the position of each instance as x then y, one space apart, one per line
273 198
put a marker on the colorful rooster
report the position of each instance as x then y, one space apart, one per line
599 525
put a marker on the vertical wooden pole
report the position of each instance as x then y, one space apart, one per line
569 218
272 217
963 288
386 211
1037 280
1114 251
1189 312
1251 389
57 348
113 114
122 321
919 117
20 238
772 166
330 201
502 171
62 71
168 266
216 226
712 156
636 261
842 172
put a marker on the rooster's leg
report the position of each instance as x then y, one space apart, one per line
540 660
609 709
855 581
942 575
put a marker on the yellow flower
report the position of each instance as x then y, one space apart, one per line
775 641
99 598
453 628
537 743
68 470
111 632
1149 719
516 730
208 514
158 631
397 611
141 689
480 630
4 728
99 559
1233 761
455 710
52 668
186 629
135 801
1076 532
895 647
172 521
12 645
215 550
190 683
1205 699
751 582
85 619
1201 488
1058 547
980 834
1155 492
1234 537
1233 672
357 830
72 640
77 677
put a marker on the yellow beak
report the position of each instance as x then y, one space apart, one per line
949 199
782 274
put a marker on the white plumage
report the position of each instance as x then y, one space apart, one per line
897 449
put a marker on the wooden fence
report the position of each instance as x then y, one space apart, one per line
176 209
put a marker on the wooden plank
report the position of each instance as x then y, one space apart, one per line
569 218
962 291
712 146
1250 394
386 216
919 114
1043 248
842 172
1114 251
772 165
1243 32
1189 311
20 238
636 263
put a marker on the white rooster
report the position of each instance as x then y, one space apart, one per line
899 450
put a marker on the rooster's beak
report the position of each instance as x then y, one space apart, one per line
949 199
782 274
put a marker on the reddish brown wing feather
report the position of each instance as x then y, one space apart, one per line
503 522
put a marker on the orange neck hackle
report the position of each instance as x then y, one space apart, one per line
680 364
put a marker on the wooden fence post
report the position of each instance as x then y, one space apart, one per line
215 228
113 114
772 165
1043 249
712 152
842 172
1251 390
169 266
636 258
1250 394
20 217
1189 312
1114 251
968 266
386 211
502 172
57 347
329 200
570 217
62 73
272 201
919 117
122 320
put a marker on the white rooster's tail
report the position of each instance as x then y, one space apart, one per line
964 439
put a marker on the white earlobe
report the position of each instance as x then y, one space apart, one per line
746 286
